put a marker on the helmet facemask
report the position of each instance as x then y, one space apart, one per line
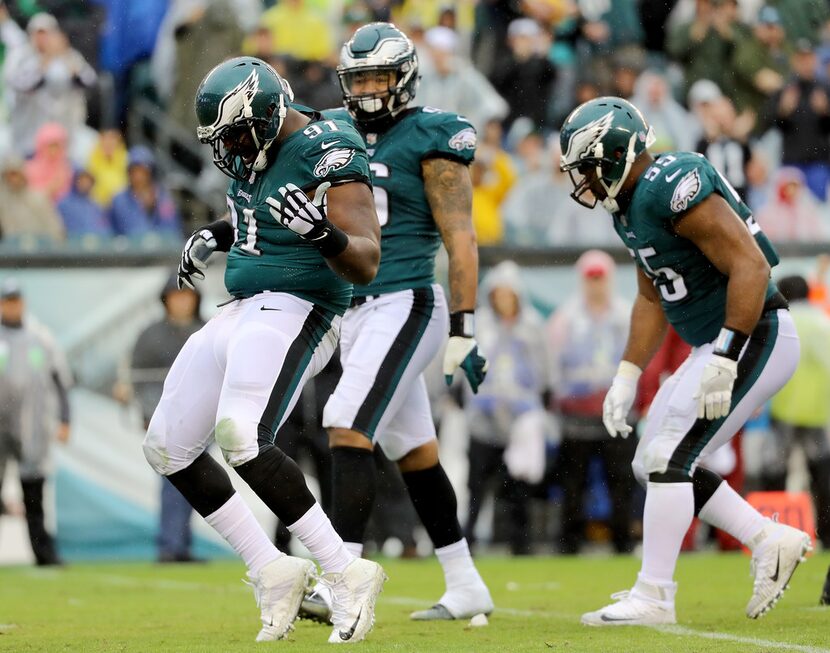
367 107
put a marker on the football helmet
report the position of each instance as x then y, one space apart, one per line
241 105
375 49
600 140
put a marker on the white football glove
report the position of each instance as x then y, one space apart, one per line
463 352
196 252
305 217
620 398
714 396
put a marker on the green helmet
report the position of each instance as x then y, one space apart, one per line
241 105
378 48
603 136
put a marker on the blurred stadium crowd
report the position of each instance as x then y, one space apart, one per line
86 84
98 146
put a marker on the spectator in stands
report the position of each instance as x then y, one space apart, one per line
145 206
627 66
801 111
451 83
537 212
50 170
526 76
493 175
316 85
724 140
34 408
792 213
801 410
704 45
153 354
506 416
803 19
24 211
761 64
606 29
81 215
300 30
194 37
48 81
108 165
674 127
586 336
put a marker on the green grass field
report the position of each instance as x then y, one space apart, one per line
195 608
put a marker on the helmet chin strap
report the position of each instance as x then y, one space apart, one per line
613 189
261 161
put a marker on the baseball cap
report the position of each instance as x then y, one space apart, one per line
10 288
523 27
441 38
595 263
804 46
702 91
42 21
768 15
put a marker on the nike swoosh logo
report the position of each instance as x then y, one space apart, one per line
325 146
774 577
347 635
673 175
607 618
268 308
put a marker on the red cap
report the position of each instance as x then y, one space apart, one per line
595 263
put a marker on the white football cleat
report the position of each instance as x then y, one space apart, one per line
316 605
462 603
353 596
774 561
644 605
279 590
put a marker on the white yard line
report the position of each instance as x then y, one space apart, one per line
679 631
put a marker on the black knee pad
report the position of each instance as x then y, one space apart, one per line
704 484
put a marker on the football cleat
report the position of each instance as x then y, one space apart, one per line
774 561
279 590
316 605
353 595
459 604
644 605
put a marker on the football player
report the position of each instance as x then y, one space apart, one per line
419 159
291 262
703 265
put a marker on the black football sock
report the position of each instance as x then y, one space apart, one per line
280 484
204 483
704 485
354 484
434 499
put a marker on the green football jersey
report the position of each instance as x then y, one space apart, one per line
266 255
409 235
692 290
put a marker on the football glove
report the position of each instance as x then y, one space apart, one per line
217 236
619 399
307 218
714 395
463 352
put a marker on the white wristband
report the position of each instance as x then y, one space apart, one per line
629 371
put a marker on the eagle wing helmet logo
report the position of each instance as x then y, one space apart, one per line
685 191
333 160
235 105
587 141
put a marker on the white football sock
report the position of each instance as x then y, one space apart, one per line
729 511
668 513
355 548
458 566
236 523
315 531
